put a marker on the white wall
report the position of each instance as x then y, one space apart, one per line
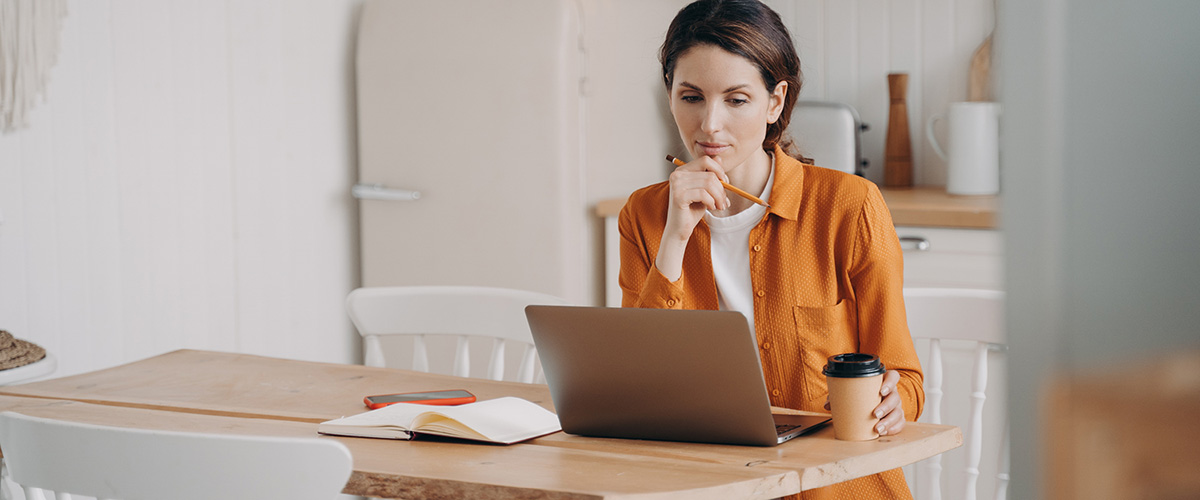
1102 218
185 184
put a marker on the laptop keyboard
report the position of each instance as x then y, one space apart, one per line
784 428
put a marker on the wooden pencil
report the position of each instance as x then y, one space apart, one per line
731 187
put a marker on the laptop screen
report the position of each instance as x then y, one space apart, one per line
677 375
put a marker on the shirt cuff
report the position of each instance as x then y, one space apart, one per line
660 293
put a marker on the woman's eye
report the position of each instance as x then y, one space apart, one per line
736 101
691 98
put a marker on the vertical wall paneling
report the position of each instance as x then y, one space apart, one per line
70 189
40 219
139 51
88 33
13 309
938 89
808 33
200 68
261 185
873 58
841 51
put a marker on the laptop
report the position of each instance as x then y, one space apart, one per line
661 374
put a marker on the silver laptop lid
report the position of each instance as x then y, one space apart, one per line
675 375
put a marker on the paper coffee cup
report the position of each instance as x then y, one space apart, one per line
854 380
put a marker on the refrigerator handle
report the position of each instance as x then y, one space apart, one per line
381 192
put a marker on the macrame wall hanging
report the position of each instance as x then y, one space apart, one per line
29 34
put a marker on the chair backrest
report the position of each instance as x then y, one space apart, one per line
137 464
459 311
968 322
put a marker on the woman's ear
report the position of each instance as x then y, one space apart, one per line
775 108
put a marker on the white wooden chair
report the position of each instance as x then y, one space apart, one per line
20 374
71 458
458 311
968 323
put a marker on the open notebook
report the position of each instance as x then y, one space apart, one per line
503 420
663 374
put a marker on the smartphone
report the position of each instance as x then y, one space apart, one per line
444 398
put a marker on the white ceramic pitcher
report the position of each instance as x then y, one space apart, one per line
973 156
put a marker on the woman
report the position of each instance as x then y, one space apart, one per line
817 273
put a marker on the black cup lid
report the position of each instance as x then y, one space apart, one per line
853 365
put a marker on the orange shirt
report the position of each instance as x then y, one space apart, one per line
827 271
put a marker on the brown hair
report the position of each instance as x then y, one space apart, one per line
747 28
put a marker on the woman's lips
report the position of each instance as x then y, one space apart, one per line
711 149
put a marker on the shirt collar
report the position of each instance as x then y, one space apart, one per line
789 179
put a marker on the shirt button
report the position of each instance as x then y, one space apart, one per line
671 303
757 247
775 392
762 293
766 345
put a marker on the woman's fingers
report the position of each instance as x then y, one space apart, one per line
690 186
890 379
698 200
709 164
891 415
890 412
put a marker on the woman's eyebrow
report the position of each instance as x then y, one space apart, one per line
726 91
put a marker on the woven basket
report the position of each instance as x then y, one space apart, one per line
15 352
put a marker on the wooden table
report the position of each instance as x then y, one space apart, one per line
214 392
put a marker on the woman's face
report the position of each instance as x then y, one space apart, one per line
721 105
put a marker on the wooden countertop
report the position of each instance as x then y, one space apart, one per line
933 206
929 206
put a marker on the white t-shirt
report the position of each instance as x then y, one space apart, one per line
731 254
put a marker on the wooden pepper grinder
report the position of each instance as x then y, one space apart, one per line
897 163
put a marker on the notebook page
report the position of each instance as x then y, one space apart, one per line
506 419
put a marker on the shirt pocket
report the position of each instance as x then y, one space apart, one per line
823 332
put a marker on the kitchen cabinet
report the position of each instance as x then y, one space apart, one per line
948 241
957 258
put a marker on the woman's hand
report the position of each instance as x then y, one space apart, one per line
889 412
695 187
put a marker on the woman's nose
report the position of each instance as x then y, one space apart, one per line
712 119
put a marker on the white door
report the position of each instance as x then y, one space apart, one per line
481 117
